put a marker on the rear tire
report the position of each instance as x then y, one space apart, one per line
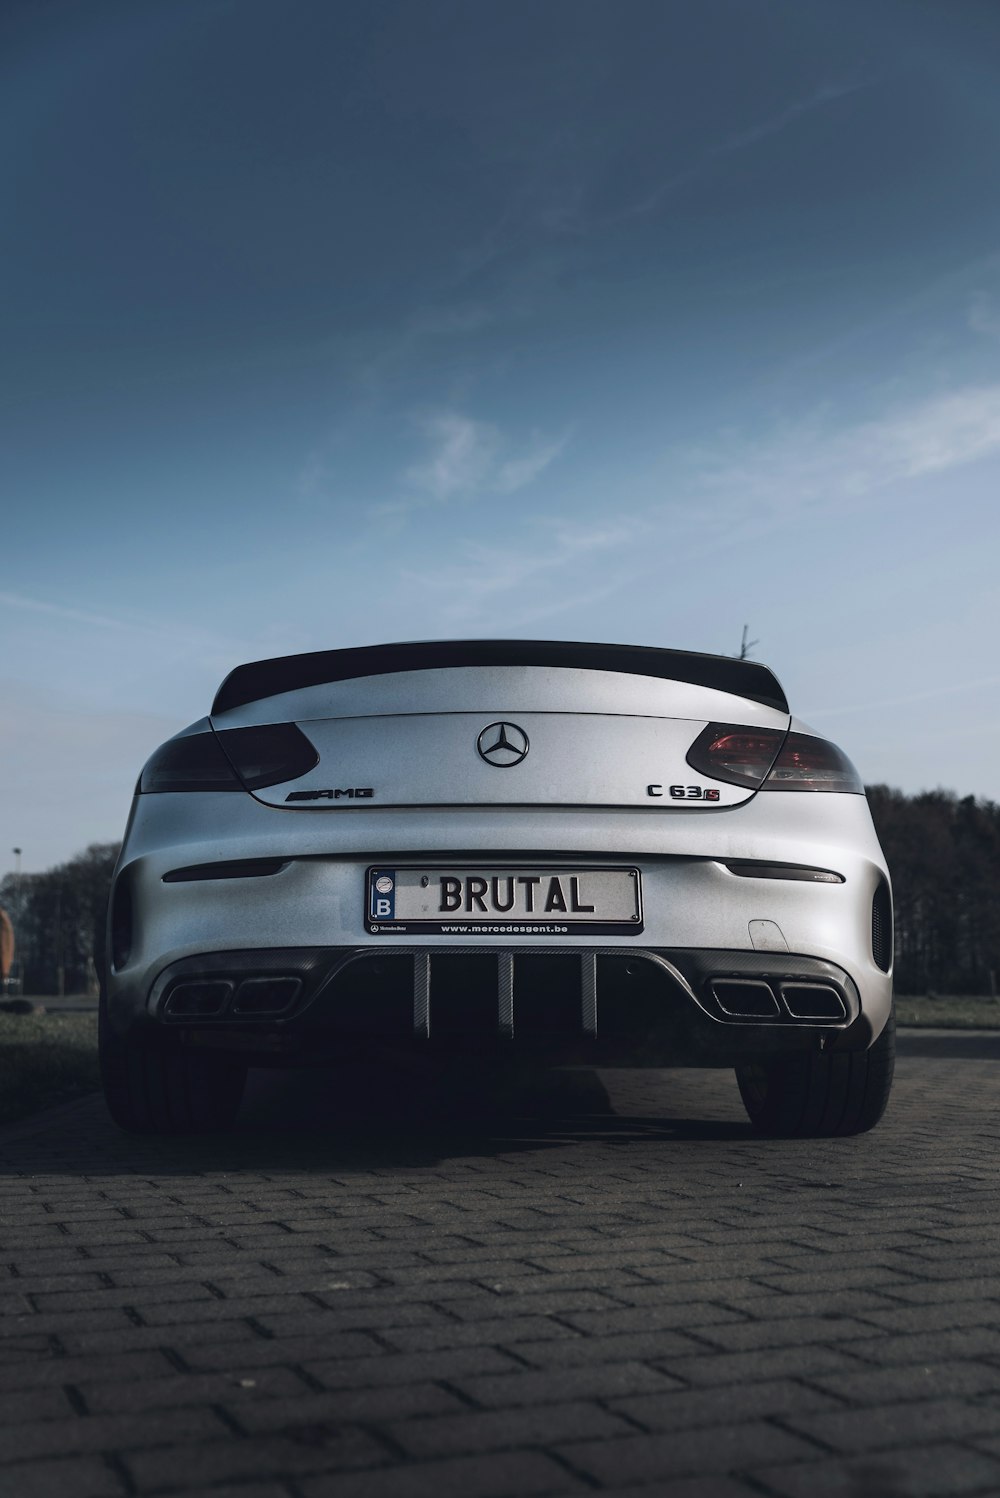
820 1095
153 1086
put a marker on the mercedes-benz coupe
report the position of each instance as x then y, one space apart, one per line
579 853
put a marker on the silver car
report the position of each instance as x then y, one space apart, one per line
578 853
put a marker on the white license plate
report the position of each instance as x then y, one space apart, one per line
472 901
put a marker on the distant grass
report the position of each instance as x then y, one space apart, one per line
949 1012
45 1059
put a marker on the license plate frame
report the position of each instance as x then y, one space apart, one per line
619 917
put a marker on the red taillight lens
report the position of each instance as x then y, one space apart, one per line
742 756
233 760
769 759
809 764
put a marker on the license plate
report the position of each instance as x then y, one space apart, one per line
449 900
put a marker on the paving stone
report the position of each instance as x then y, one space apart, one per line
936 1292
508 1330
397 1368
652 1346
33 1404
608 1294
277 1489
895 1424
539 1302
686 1487
784 1331
691 1313
498 1475
686 1409
105 1433
131 1337
375 1406
539 1425
933 1471
49 1370
868 1386
722 1369
722 1448
177 1390
924 1347
927 1318
73 1477
302 1447
603 1381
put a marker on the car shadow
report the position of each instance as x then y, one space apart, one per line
345 1122
463 1111
349 1123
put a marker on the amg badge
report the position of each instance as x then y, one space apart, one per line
353 793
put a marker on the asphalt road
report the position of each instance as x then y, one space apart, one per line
603 1283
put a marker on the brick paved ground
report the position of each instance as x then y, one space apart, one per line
617 1290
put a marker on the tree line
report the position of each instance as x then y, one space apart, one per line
58 920
943 853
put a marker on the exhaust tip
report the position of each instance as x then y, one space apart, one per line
813 1001
201 998
744 998
266 995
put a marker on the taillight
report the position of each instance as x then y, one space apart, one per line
193 763
232 760
742 756
809 764
268 755
768 759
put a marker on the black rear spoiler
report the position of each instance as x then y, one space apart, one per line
289 673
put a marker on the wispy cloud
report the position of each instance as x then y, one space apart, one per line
555 194
518 472
950 690
802 465
464 457
461 455
776 123
560 216
456 320
312 482
984 315
60 611
552 550
730 492
379 369
210 646
946 432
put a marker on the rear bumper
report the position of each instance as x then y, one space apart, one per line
605 1006
185 901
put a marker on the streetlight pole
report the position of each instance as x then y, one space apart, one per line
16 962
60 965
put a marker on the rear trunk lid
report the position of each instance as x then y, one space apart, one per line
533 733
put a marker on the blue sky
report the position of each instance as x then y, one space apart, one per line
330 323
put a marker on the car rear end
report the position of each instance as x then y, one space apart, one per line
588 853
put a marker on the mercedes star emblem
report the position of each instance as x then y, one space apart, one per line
502 744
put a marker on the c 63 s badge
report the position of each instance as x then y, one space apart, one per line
352 793
685 792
